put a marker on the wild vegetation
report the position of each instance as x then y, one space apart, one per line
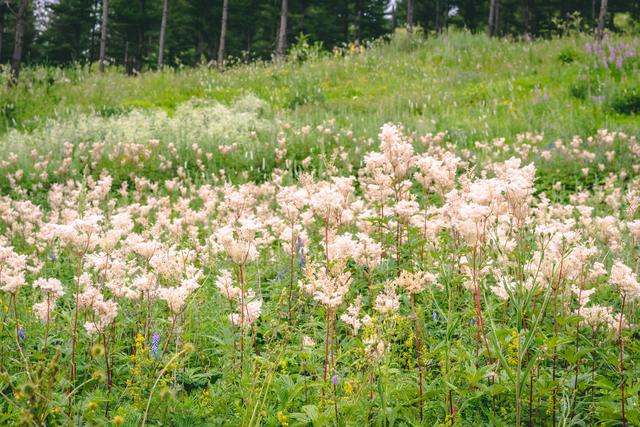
438 231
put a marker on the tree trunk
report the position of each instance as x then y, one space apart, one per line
394 18
92 45
496 19
527 17
16 59
127 60
345 21
200 45
163 29
281 43
2 14
141 54
410 15
593 12
103 33
358 17
444 16
601 19
223 33
492 17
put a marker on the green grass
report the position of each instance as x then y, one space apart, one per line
468 84
324 110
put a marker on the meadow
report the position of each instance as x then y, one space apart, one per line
416 231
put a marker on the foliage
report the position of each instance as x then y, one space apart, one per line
262 247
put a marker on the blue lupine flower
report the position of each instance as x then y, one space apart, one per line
155 343
22 334
301 260
435 316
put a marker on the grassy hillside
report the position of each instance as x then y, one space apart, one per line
258 248
469 86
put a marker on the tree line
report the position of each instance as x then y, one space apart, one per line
146 34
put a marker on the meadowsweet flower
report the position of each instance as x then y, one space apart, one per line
374 348
176 297
240 243
623 278
367 252
52 290
503 289
437 174
252 309
308 342
12 267
352 316
105 312
415 282
596 315
387 301
224 282
328 288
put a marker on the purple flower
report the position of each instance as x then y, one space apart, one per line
588 47
22 334
435 316
301 260
334 379
155 343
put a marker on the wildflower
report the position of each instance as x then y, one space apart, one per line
623 278
374 348
414 282
155 343
388 301
252 308
328 289
351 317
308 342
224 282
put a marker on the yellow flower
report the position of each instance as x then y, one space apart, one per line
282 419
139 340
